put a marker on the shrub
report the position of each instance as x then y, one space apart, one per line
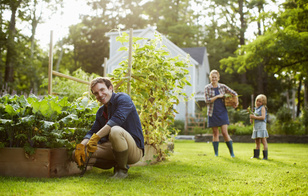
178 127
284 115
305 119
285 125
292 128
238 116
240 129
199 130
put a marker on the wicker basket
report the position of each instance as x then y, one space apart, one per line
230 100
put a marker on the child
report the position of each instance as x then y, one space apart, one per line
259 129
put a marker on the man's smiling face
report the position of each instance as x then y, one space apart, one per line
102 93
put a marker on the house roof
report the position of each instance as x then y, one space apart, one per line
196 53
145 33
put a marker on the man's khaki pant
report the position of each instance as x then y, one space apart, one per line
119 140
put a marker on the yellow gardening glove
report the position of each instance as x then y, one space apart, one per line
80 155
92 143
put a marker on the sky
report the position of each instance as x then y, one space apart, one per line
59 23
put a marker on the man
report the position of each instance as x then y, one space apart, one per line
116 138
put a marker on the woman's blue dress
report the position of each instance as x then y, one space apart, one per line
220 113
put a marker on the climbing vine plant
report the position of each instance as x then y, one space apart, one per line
157 85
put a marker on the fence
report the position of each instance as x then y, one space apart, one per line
192 122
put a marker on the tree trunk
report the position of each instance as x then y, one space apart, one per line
242 42
293 104
288 99
305 93
260 81
11 52
35 21
299 98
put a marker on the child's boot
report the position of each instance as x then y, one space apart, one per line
256 153
215 145
230 146
265 154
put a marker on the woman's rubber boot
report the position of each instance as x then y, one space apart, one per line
215 145
121 169
230 146
265 154
256 153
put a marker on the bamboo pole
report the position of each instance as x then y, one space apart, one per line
70 77
105 67
50 65
186 118
130 59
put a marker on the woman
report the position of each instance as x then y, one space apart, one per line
216 110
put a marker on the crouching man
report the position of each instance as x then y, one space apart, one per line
116 138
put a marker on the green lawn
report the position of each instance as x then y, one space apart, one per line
191 170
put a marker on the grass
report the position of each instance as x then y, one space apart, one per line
191 170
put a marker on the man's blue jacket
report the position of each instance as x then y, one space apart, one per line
121 112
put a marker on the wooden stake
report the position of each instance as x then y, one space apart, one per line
105 67
130 59
50 65
70 77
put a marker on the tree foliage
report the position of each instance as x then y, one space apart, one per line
172 17
219 25
282 49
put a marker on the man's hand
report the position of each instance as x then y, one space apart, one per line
80 155
92 144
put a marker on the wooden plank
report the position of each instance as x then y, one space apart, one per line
45 163
70 77
13 162
61 164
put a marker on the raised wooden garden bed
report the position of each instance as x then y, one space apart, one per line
45 163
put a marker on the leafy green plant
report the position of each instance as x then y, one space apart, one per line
199 130
178 126
284 115
285 125
305 119
237 115
47 122
157 83
240 128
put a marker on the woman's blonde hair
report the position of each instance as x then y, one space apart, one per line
214 71
262 98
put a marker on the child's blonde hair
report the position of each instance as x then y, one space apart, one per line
262 98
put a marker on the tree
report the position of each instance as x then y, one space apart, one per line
175 19
282 49
11 48
90 45
23 59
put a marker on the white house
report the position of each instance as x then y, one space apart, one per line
199 72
